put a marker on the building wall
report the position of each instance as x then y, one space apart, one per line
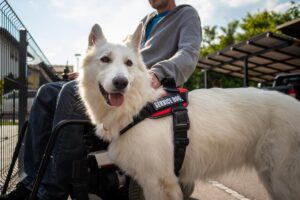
33 78
9 58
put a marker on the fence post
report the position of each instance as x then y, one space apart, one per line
14 106
22 87
22 78
246 75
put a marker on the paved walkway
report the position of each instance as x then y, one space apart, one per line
8 139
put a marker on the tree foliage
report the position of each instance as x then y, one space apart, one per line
237 31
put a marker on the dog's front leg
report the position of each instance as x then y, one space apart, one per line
162 188
104 133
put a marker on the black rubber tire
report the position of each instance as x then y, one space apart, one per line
94 197
135 192
187 190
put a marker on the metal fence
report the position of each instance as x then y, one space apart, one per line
18 49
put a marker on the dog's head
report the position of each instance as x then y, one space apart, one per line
113 68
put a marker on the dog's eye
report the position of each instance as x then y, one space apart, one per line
128 63
105 59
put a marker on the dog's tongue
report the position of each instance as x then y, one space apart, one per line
116 99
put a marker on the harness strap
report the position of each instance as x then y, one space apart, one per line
145 113
180 125
148 111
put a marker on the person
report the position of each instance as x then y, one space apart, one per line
169 46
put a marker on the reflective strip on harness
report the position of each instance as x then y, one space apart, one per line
171 100
165 112
167 101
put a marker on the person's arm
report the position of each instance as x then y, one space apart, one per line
182 64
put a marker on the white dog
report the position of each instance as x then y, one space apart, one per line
229 128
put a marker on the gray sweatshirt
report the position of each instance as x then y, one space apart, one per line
172 49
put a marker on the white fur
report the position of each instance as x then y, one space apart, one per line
230 128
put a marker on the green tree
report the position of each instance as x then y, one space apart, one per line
265 21
228 36
209 43
259 23
294 11
209 35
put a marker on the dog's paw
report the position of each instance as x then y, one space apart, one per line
103 133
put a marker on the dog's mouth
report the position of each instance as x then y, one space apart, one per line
112 99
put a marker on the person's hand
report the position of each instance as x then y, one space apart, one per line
72 75
155 83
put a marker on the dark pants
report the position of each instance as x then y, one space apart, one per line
54 102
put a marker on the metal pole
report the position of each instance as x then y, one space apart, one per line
246 78
77 55
14 106
205 79
22 87
22 78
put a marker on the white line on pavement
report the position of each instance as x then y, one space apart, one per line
222 187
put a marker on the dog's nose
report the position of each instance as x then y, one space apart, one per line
120 82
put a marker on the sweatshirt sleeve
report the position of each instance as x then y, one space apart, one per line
183 63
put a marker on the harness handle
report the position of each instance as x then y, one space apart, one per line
169 85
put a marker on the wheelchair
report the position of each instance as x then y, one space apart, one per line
93 177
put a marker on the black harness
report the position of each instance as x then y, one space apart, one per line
176 101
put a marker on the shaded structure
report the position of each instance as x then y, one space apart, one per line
260 58
291 28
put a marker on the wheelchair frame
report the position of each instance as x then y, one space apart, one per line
83 195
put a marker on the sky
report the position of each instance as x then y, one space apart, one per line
61 27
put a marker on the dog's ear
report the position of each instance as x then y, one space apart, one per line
96 35
136 37
134 40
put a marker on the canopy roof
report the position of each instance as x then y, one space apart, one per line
291 28
265 56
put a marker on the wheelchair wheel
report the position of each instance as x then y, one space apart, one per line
94 197
135 192
187 190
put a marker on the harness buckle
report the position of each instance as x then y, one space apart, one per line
181 141
180 119
181 124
